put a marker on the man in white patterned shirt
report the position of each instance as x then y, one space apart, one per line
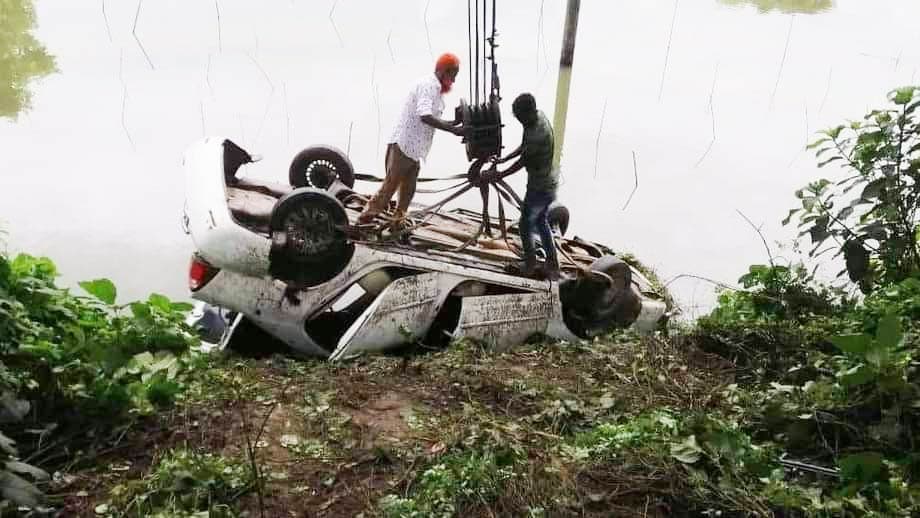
412 137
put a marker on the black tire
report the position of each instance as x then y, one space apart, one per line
319 166
620 303
558 217
309 241
593 305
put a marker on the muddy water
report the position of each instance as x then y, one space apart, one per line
715 99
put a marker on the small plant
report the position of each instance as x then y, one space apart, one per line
880 360
17 479
778 292
875 230
184 482
457 480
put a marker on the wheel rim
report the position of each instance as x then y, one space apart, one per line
320 174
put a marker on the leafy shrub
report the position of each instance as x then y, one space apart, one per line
181 483
460 478
78 360
778 292
88 352
875 230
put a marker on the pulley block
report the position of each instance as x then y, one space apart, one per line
482 125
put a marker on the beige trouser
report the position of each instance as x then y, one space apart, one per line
401 175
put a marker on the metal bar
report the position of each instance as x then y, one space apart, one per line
565 77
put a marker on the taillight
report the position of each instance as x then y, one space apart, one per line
200 273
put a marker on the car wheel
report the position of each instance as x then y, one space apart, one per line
320 166
601 300
558 216
309 241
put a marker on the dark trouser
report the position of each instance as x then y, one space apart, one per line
534 214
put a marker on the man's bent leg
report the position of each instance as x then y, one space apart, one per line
407 187
528 213
391 181
547 240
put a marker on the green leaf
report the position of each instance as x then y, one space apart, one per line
819 232
181 307
859 375
165 362
140 310
829 160
863 468
102 289
889 333
823 151
8 445
159 301
878 356
903 96
857 260
876 231
687 451
834 132
913 107
845 213
852 344
143 360
874 189
27 469
17 490
789 217
817 143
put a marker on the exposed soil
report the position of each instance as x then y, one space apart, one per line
338 437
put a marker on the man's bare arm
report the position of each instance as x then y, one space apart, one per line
515 167
514 154
443 125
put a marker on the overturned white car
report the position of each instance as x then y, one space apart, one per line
289 259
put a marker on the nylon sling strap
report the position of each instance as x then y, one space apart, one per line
374 178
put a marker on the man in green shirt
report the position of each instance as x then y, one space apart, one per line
536 155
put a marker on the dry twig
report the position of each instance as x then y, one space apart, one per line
636 187
137 16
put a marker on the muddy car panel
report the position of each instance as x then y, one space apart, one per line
505 320
402 313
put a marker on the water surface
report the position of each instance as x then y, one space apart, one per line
91 173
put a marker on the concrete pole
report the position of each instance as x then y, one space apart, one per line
565 77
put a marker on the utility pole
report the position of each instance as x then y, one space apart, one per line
565 77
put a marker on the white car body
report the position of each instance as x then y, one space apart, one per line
404 308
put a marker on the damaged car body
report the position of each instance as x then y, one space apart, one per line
289 259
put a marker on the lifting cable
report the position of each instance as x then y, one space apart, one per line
484 11
493 77
469 41
476 21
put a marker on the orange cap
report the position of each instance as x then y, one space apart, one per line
447 60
